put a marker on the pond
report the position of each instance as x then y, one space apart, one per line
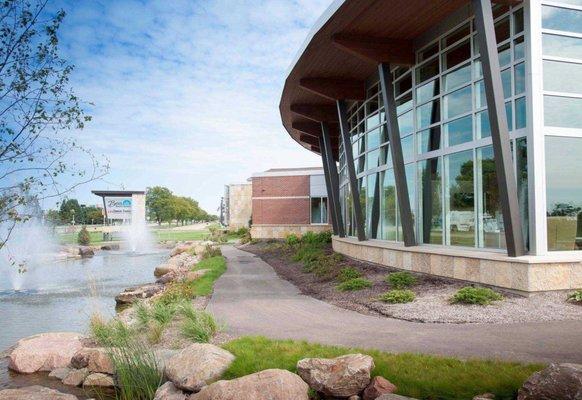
62 296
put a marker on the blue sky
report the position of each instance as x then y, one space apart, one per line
185 93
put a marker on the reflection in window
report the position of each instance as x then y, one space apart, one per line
520 113
561 19
502 30
319 210
388 205
429 140
459 131
506 82
457 103
373 139
372 159
563 112
429 175
372 207
427 91
519 78
406 123
457 55
562 46
483 129
427 114
460 206
562 77
564 193
522 187
427 71
518 48
408 147
489 215
457 77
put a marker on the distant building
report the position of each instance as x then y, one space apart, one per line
237 205
290 200
122 206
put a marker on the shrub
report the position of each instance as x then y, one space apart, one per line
348 273
400 280
397 296
198 326
307 253
323 265
109 333
83 238
155 331
292 239
354 284
142 313
316 238
475 295
210 251
576 297
163 312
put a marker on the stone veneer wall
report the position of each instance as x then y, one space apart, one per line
240 205
524 274
281 231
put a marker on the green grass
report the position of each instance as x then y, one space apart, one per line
198 326
415 375
169 234
111 333
348 273
71 238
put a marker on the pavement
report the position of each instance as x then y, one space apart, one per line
251 299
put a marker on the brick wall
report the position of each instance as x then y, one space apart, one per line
281 186
281 200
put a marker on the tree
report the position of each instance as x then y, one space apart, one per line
37 108
565 210
93 215
70 209
159 204
84 239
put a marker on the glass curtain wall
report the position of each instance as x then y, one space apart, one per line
446 140
562 85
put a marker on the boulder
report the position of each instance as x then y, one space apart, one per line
378 387
95 359
109 247
76 377
270 384
354 397
133 294
60 373
162 356
343 376
34 393
99 379
163 269
197 365
86 251
44 352
179 249
556 382
392 396
168 391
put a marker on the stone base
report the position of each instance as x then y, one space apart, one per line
281 231
526 274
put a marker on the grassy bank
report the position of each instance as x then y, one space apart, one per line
419 376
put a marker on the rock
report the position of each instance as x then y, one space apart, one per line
109 247
270 384
99 379
44 352
76 377
197 365
392 396
484 396
378 387
354 397
86 251
343 376
133 294
163 269
162 356
34 393
556 382
179 249
60 373
169 277
193 275
95 359
168 391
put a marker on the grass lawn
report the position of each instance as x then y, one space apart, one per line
71 238
168 234
204 285
419 376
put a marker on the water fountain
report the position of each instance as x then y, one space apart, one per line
138 238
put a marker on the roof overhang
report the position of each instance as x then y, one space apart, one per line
116 193
344 49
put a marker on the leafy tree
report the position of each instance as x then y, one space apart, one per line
84 239
70 208
37 107
565 210
93 215
159 204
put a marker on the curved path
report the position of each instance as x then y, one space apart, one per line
252 300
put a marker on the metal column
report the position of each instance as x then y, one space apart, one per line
353 180
333 192
499 130
397 157
328 186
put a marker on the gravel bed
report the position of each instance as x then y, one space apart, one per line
432 295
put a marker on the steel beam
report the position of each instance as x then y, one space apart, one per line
353 180
324 161
506 179
396 152
333 191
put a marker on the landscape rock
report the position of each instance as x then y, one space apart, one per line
133 294
76 377
556 382
378 387
270 384
167 278
44 352
342 376
34 393
60 373
86 251
169 391
162 356
109 247
354 397
99 379
193 275
197 365
392 396
163 269
484 396
95 359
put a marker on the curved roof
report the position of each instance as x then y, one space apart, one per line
378 30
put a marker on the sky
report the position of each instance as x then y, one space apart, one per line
184 93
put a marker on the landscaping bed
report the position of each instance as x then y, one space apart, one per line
432 302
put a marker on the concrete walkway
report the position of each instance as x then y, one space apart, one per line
252 300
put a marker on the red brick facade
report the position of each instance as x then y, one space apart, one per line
281 200
281 186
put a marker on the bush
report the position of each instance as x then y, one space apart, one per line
475 295
354 284
397 296
198 326
211 251
400 280
83 238
307 253
109 333
576 297
348 273
316 238
323 265
292 239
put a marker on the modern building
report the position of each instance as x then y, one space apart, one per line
122 206
457 127
290 200
237 205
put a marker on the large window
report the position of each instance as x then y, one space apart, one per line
460 203
319 210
